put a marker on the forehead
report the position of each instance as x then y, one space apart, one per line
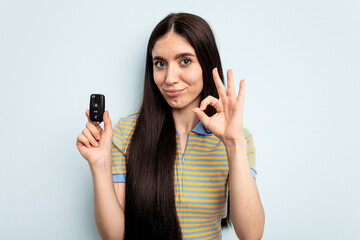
171 43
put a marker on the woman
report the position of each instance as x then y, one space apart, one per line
185 157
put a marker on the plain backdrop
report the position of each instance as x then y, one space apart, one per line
300 61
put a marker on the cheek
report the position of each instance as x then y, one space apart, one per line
194 77
157 78
197 80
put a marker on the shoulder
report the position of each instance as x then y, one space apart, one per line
125 125
127 121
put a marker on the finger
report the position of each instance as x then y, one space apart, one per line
81 138
241 94
219 84
230 84
94 129
210 100
202 116
86 132
87 113
107 122
97 125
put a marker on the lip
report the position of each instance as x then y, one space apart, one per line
174 92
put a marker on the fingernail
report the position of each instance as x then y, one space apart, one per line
96 144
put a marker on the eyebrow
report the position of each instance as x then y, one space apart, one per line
176 56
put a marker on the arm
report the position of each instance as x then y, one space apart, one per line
247 213
227 124
109 214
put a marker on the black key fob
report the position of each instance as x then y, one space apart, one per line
97 107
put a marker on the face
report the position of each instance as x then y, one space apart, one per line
177 71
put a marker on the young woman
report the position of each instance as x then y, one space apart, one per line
185 156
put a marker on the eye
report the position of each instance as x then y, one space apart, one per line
186 61
159 64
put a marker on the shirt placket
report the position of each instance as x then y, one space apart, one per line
181 157
180 167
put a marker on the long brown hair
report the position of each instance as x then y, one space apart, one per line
150 211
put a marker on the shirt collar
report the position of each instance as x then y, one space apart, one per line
199 128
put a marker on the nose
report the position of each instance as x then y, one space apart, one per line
172 75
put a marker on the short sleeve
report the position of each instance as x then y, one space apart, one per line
117 154
250 151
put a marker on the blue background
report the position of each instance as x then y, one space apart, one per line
300 61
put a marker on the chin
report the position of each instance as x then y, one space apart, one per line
176 105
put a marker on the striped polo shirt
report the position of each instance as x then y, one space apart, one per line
200 177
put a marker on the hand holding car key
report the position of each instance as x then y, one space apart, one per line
94 143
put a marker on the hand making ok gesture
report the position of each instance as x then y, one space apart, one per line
227 123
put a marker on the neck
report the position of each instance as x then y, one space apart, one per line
185 119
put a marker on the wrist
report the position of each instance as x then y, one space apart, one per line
237 143
102 164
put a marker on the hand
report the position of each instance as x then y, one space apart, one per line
227 123
94 143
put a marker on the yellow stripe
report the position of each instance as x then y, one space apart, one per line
200 205
196 215
206 168
200 189
116 143
199 229
119 136
201 194
119 167
192 137
250 143
202 143
200 200
203 174
198 224
206 149
128 132
195 220
209 163
205 153
251 154
205 157
117 155
210 236
204 184
202 178
252 165
200 234
207 211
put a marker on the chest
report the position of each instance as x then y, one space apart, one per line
200 179
183 138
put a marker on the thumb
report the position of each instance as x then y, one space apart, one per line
107 123
202 116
